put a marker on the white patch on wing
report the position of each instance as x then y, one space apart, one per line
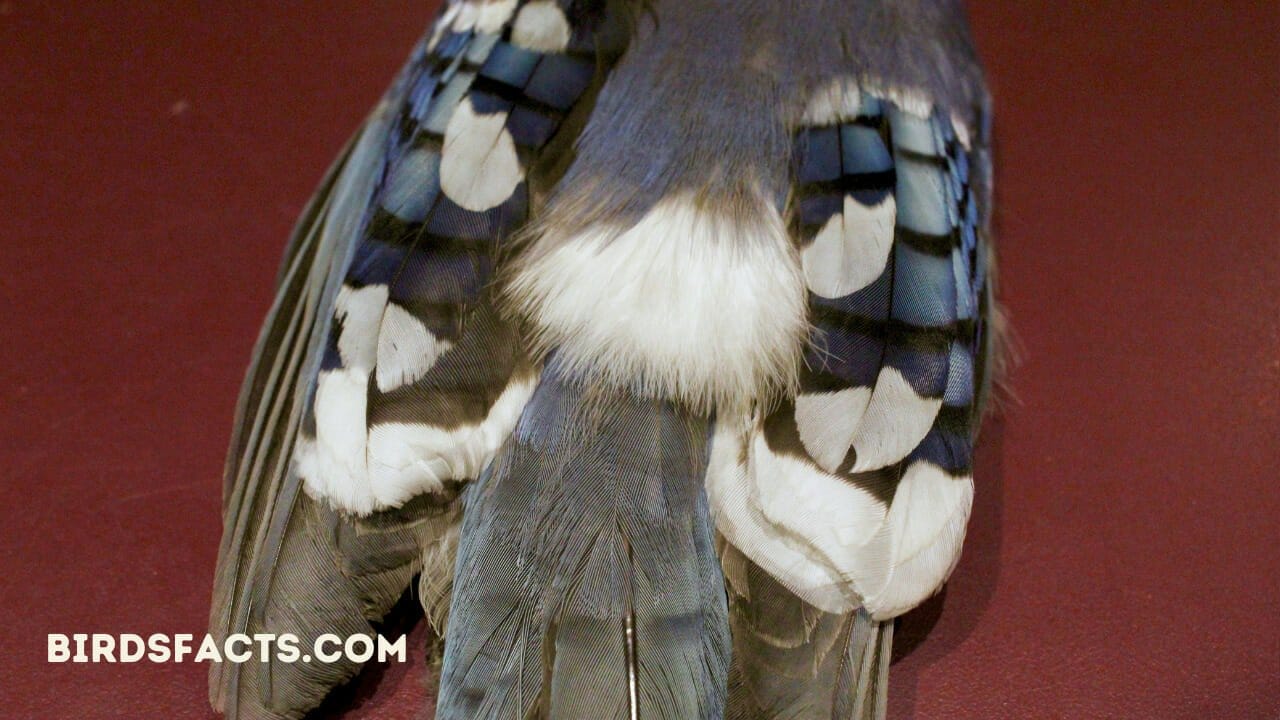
541 27
406 349
827 422
927 522
479 168
838 101
341 399
492 15
408 459
851 250
821 536
683 304
361 470
834 545
468 12
895 422
360 312
332 464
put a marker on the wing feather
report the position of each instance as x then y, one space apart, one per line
382 343
846 507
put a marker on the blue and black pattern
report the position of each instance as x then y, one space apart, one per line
434 256
922 316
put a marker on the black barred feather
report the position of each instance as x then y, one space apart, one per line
887 207
389 221
480 109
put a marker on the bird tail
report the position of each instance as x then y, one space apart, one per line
587 582
792 660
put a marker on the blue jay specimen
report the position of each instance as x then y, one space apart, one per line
650 337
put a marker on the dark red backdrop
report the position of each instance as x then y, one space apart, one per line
1122 559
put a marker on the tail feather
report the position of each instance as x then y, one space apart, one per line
587 584
792 661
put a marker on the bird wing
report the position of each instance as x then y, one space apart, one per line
847 505
383 379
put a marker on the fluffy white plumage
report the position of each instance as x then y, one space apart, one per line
689 305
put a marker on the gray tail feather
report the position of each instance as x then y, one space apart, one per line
587 583
793 661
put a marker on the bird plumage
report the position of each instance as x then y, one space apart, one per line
587 563
670 318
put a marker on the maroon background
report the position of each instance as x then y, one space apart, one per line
1122 559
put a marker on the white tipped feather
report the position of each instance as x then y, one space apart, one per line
683 304
851 250
542 27
465 17
360 312
927 520
337 452
331 464
479 168
831 543
841 100
836 102
492 15
360 469
962 131
406 349
408 459
827 422
821 536
895 422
